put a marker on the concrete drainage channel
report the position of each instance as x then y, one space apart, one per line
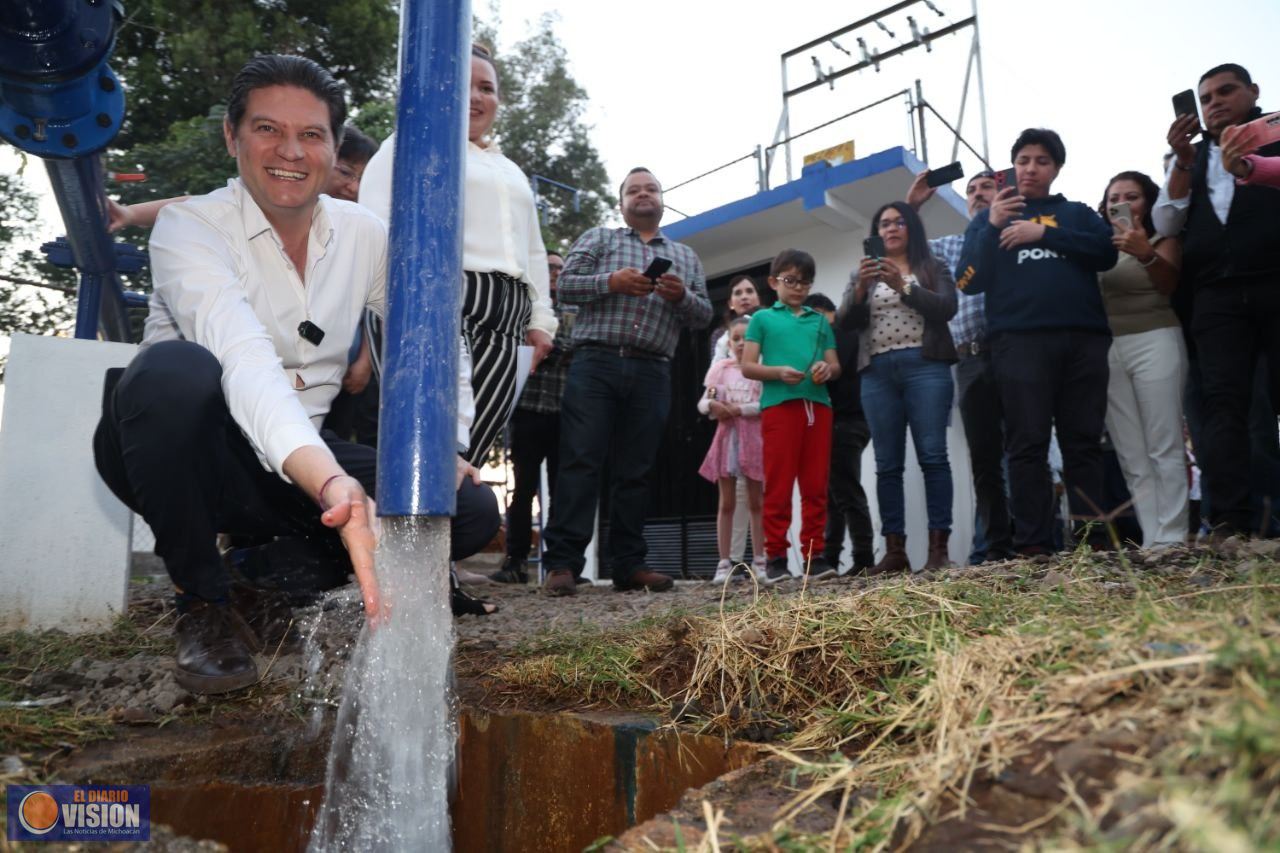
527 781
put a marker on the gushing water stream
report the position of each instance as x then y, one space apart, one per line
388 775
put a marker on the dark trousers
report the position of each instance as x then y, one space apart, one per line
1052 378
1234 323
847 507
983 417
614 410
169 449
535 436
354 417
1264 446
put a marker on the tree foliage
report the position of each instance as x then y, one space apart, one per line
189 160
540 127
177 59
24 308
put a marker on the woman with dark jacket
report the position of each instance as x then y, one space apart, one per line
900 305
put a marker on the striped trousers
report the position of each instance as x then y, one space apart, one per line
495 318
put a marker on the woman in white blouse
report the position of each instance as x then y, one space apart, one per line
505 299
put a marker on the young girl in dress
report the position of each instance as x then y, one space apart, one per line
737 449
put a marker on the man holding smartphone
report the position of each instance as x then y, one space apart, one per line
1231 269
635 290
979 396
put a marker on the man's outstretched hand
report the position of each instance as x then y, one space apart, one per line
352 513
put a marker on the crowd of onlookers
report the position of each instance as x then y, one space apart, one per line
1049 321
1062 330
1154 315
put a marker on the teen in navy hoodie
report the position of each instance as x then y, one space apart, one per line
1037 257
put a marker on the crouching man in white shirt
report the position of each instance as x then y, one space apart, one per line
215 425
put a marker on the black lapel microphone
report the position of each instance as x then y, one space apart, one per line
311 332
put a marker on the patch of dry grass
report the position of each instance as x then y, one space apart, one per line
904 702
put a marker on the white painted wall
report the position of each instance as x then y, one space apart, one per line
64 538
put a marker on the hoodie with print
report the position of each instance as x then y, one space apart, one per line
1049 284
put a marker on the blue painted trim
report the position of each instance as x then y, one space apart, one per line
810 189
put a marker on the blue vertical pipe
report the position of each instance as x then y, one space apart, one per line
77 185
417 440
60 101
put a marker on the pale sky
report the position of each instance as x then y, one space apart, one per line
682 86
685 85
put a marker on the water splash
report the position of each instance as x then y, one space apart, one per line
387 782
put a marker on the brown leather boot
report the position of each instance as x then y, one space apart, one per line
895 556
938 558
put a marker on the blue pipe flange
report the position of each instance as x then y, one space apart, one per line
58 98
130 259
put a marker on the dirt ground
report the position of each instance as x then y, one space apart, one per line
59 693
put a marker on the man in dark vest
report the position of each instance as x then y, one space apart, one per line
1231 262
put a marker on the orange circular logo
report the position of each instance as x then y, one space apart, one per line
38 812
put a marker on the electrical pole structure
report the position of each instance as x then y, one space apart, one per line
870 57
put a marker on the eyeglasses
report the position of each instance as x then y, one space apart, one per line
892 223
794 283
348 174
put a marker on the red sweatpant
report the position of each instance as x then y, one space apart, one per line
797 446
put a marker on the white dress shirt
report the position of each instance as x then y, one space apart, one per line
223 280
500 221
1170 214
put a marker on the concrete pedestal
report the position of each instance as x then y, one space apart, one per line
64 538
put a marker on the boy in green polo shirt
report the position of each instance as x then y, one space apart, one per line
791 349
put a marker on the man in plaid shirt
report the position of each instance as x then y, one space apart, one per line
979 398
618 391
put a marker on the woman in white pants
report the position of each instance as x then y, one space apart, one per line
1148 361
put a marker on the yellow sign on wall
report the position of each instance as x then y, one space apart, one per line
835 155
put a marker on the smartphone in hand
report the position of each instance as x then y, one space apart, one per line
1120 215
873 247
1184 104
1262 131
1007 178
657 268
944 175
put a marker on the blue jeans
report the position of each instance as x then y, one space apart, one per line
901 388
614 410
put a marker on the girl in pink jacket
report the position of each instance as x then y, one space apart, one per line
737 449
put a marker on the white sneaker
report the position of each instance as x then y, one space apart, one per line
758 567
723 570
